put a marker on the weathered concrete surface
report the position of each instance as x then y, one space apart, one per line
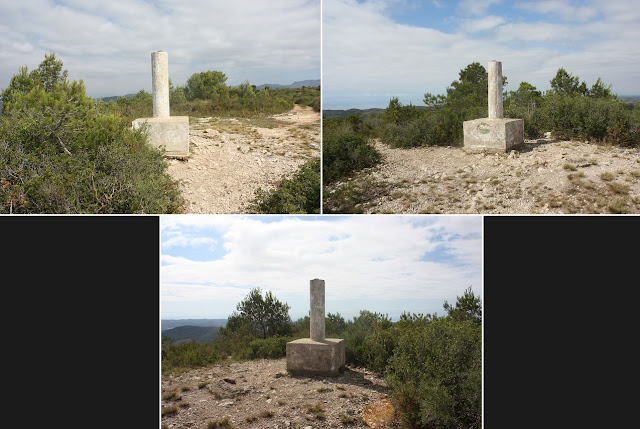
160 83
317 310
492 135
308 357
495 90
172 133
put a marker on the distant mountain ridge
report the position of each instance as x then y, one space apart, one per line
296 84
199 334
174 323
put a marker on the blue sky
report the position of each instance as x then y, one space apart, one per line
108 43
387 264
377 49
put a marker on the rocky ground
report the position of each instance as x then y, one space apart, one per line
231 157
261 394
543 176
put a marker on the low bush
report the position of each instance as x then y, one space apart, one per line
298 195
369 340
60 154
270 348
435 375
344 154
187 355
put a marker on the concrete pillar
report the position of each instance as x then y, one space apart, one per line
495 90
160 77
317 310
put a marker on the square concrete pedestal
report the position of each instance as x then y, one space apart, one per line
171 132
308 357
493 135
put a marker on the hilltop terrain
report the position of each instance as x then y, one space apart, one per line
231 157
543 176
261 394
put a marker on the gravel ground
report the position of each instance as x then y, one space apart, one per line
261 394
231 157
543 176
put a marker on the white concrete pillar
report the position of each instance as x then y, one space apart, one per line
495 90
317 310
160 77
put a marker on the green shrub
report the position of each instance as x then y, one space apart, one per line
298 195
435 374
270 348
369 340
187 355
344 154
59 153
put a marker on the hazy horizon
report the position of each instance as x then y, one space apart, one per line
387 265
377 49
109 44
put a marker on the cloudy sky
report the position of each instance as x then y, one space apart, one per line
108 43
387 264
376 49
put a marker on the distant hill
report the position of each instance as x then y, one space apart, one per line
199 334
374 111
115 97
297 84
344 113
174 323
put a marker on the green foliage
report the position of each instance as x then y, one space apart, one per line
265 316
298 195
60 154
242 101
206 85
590 118
441 123
269 348
187 355
467 308
334 325
368 340
525 104
345 153
566 84
435 375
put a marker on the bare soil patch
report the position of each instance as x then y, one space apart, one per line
262 394
543 176
231 157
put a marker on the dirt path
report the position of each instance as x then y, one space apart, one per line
261 394
231 157
544 176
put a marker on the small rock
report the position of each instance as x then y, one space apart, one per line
229 380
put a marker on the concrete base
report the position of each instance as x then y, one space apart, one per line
171 132
308 357
493 135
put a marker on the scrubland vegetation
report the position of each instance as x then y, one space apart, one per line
62 152
432 363
569 110
206 94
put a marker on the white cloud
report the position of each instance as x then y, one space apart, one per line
376 257
559 9
368 56
108 44
475 7
483 24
